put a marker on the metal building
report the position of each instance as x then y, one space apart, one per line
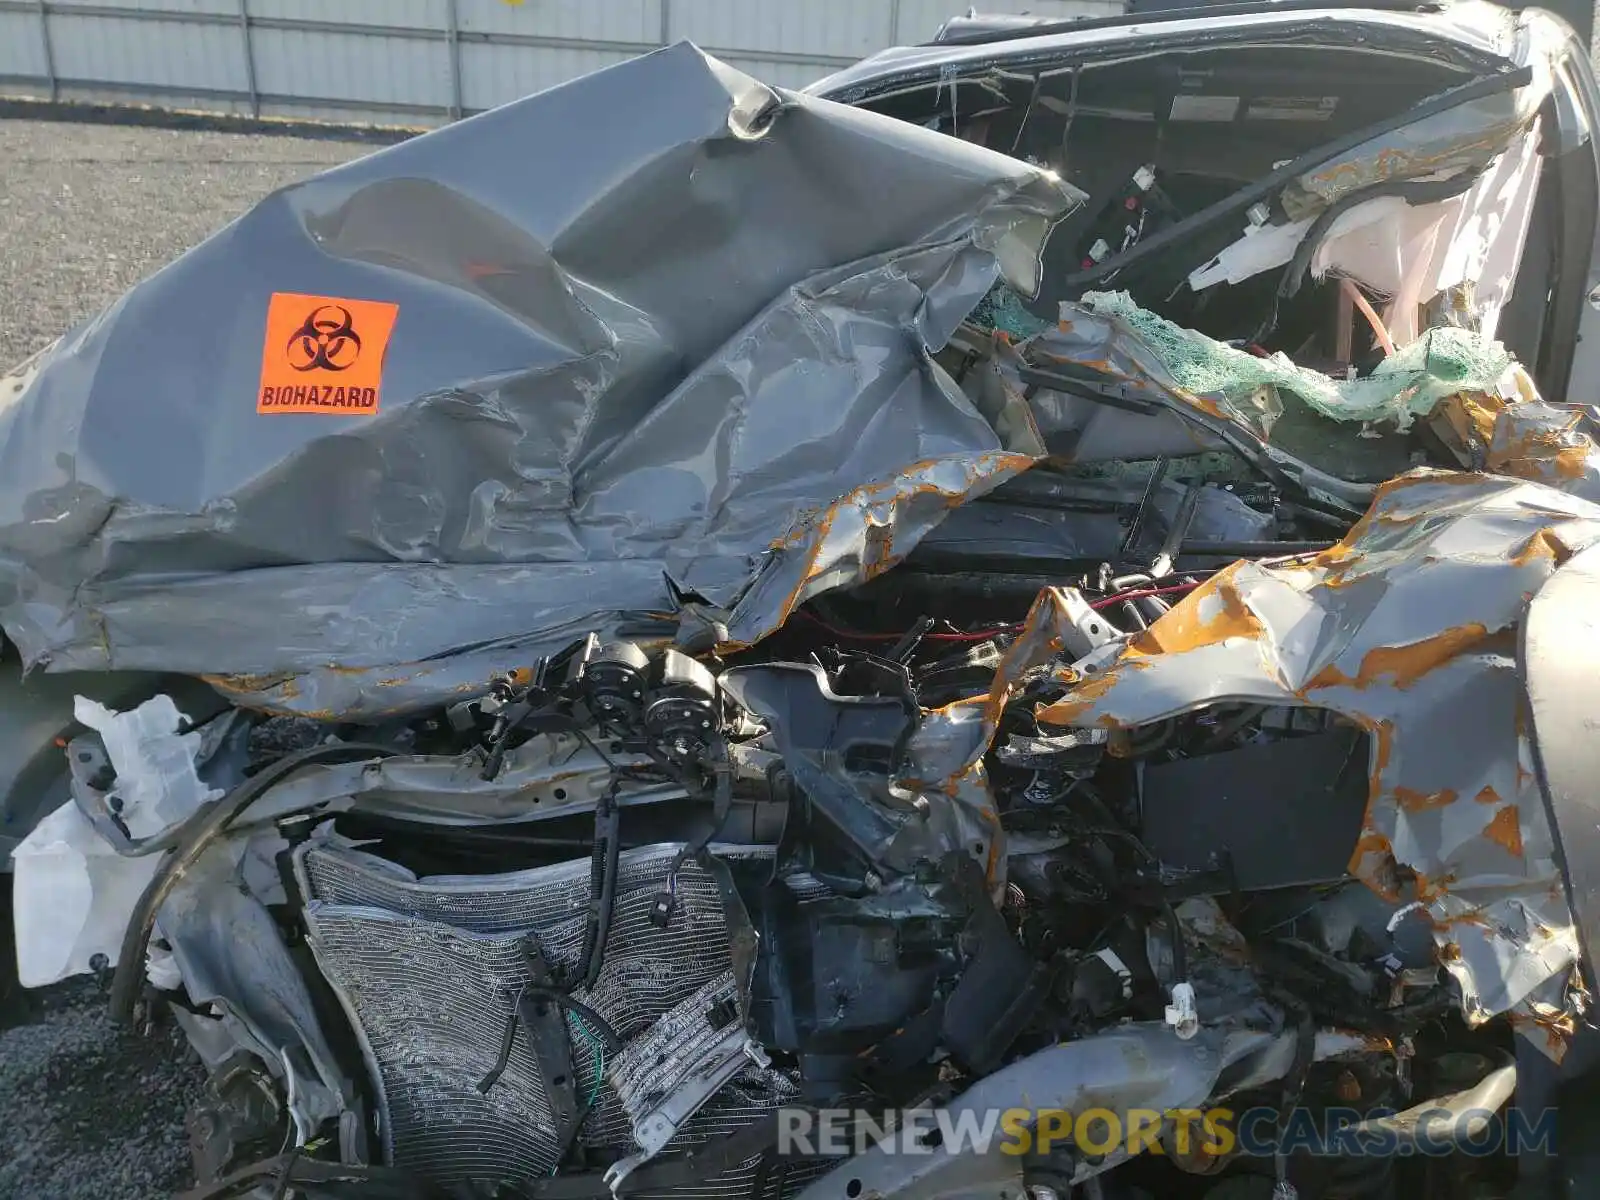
423 62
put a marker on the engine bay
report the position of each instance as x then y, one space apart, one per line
596 932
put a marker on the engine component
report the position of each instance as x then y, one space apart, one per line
966 672
848 984
681 716
238 1109
839 750
1101 983
614 680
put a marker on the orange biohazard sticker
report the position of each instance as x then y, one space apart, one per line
324 354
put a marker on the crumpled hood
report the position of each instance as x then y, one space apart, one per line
458 399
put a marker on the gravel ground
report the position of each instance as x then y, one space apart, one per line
87 210
92 1111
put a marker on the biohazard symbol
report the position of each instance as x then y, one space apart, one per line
327 341
314 361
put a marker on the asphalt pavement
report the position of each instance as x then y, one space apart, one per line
87 210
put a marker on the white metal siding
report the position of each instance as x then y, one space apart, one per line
21 47
160 6
395 14
422 62
493 74
632 22
339 66
824 28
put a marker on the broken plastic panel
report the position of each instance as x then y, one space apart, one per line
73 896
80 871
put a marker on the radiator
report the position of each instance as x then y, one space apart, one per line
428 971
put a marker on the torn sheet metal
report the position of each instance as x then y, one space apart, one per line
1523 437
1408 627
862 535
1461 139
582 382
234 963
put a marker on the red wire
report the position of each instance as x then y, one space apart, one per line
1166 591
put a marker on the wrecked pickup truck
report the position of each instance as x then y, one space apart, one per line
958 634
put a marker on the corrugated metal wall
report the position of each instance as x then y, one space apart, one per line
421 62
